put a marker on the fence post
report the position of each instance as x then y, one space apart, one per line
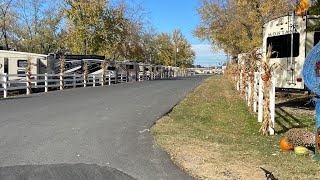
74 80
94 80
102 76
260 100
249 90
255 95
240 82
144 72
136 67
272 105
28 84
61 81
109 78
127 74
5 84
84 80
45 82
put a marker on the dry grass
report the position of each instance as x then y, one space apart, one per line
211 135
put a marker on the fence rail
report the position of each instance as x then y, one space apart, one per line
46 82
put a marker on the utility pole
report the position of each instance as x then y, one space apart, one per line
175 58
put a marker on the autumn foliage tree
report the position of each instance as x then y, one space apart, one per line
236 26
116 30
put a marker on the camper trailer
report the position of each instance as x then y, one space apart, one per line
74 63
13 62
290 45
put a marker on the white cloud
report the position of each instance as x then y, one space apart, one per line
206 57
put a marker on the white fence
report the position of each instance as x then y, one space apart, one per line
45 82
258 97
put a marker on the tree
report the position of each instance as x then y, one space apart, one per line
174 49
36 26
83 22
184 55
5 21
236 26
165 49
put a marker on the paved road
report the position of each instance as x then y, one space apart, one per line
90 132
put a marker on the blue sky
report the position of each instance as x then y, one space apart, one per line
167 15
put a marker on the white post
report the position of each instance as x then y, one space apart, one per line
84 80
151 74
109 78
27 83
4 84
61 81
249 91
94 80
272 105
245 88
260 100
255 95
121 78
240 82
74 80
45 82
102 84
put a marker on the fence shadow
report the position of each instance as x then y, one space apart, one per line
285 119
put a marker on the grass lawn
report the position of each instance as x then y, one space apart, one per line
211 135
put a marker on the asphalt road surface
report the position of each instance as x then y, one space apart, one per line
90 133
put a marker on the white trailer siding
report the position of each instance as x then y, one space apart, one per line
17 62
278 33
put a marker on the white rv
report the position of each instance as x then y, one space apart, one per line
13 62
289 57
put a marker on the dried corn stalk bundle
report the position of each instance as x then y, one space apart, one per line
62 71
254 58
266 77
103 67
85 71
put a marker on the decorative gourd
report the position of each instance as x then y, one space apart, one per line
300 137
264 77
285 145
300 150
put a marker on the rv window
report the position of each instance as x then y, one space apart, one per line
112 68
131 67
6 68
316 38
22 63
22 72
281 45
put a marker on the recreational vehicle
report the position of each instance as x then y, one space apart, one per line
13 62
74 63
290 45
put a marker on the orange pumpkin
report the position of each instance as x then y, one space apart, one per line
285 145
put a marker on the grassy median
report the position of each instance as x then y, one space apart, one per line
211 135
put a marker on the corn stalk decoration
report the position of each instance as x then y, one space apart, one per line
266 77
244 71
85 72
28 75
103 67
253 68
62 72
